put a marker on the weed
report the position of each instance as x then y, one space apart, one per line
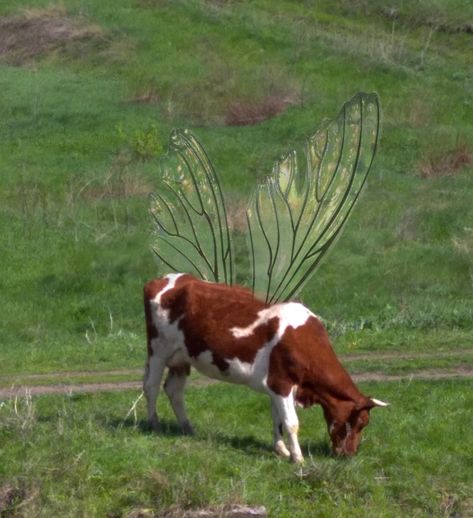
19 414
120 180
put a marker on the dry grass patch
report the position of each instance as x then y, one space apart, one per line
146 95
36 32
447 163
152 4
17 500
416 113
225 94
248 111
119 182
236 214
229 511
10 497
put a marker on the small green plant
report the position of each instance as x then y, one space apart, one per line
145 143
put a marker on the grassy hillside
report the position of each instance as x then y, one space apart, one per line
89 92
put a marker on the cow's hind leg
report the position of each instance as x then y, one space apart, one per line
154 371
287 412
174 388
278 442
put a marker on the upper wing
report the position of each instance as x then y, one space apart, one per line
296 214
192 231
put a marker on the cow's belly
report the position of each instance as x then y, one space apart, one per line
252 374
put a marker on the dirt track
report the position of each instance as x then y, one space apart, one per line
16 390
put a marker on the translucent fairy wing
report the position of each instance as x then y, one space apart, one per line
192 233
297 213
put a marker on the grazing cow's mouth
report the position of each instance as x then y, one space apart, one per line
348 447
340 452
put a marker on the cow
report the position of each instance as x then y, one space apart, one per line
282 350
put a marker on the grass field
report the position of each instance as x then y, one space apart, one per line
89 92
415 459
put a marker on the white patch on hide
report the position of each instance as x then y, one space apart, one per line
252 374
290 314
204 364
170 338
255 374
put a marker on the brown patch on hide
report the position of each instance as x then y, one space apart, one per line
305 357
151 289
209 312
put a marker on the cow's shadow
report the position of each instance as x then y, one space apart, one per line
166 428
248 444
251 445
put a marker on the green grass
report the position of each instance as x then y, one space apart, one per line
409 366
79 146
414 460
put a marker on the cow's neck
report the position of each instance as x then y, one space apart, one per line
338 407
336 392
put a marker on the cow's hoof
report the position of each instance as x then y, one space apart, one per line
281 450
187 428
297 458
154 425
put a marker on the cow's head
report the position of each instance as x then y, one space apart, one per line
345 427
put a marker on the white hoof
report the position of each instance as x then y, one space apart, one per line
297 458
281 450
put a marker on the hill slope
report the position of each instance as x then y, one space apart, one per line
89 92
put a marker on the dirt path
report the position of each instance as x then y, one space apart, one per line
69 389
71 374
77 388
347 358
424 374
406 356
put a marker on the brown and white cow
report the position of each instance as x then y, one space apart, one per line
282 350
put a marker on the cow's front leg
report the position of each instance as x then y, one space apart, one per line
278 442
286 409
154 371
174 388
